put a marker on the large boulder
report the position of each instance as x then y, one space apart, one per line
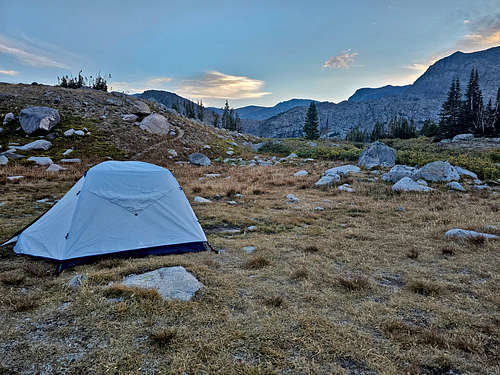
328 180
39 144
407 184
171 283
199 159
377 154
141 108
463 137
398 172
437 171
41 160
38 118
155 123
343 170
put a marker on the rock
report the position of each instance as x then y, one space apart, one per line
312 144
328 179
293 155
465 234
38 118
201 200
9 117
212 175
346 187
343 170
292 198
69 132
171 283
301 173
207 147
252 228
480 187
249 249
232 203
4 160
463 137
398 172
445 141
77 281
74 160
407 184
113 101
229 152
14 178
141 108
12 155
54 168
80 133
318 208
39 144
130 117
377 154
199 159
437 171
52 136
422 182
68 151
172 152
455 186
41 160
465 172
155 123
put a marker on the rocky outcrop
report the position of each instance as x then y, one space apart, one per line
407 184
377 154
437 171
39 144
155 123
398 172
33 119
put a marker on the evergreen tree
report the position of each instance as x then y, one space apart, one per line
226 120
311 123
201 108
356 135
429 129
496 121
378 132
451 112
215 122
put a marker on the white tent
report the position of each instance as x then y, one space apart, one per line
117 206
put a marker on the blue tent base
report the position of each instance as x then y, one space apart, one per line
190 247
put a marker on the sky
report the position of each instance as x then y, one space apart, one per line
249 52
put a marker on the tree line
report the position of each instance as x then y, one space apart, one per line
97 83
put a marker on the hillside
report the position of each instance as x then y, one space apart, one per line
254 112
420 101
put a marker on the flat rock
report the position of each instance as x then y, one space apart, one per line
41 160
328 180
39 144
38 118
14 178
398 172
4 160
249 249
199 159
69 132
171 283
292 198
407 184
464 234
301 173
377 154
54 168
68 151
155 123
201 200
454 185
74 160
465 172
10 154
80 133
130 117
437 171
346 187
343 170
463 137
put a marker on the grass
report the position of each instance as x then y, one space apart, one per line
309 300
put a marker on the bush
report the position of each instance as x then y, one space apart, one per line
277 148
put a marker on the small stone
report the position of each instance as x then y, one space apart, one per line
54 168
74 160
41 160
292 198
301 173
14 178
249 249
69 132
77 281
252 228
318 208
68 151
201 200
232 203
172 152
229 152
80 133
346 187
455 186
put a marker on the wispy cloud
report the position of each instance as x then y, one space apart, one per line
9 72
132 87
483 32
218 85
341 61
29 55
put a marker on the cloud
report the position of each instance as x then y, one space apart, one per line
483 32
466 22
132 87
341 61
218 85
28 55
9 72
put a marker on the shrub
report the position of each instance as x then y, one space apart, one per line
277 148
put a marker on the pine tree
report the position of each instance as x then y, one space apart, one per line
237 123
429 129
215 122
356 135
226 121
201 108
311 123
451 112
378 132
496 122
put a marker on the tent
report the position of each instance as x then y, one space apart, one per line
118 207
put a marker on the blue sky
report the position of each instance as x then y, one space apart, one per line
250 52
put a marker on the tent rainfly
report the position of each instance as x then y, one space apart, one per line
125 208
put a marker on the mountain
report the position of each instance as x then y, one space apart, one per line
166 98
421 101
254 112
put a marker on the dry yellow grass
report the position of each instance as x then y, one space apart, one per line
326 292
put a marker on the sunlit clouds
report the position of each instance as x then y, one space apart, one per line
341 61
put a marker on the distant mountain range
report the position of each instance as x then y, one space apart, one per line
421 101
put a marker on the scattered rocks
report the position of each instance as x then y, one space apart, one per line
292 198
39 144
155 123
172 152
467 234
130 117
407 184
41 160
377 154
249 249
301 173
346 187
463 137
171 283
343 170
437 171
69 132
455 186
201 200
328 180
77 281
398 172
38 118
199 159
